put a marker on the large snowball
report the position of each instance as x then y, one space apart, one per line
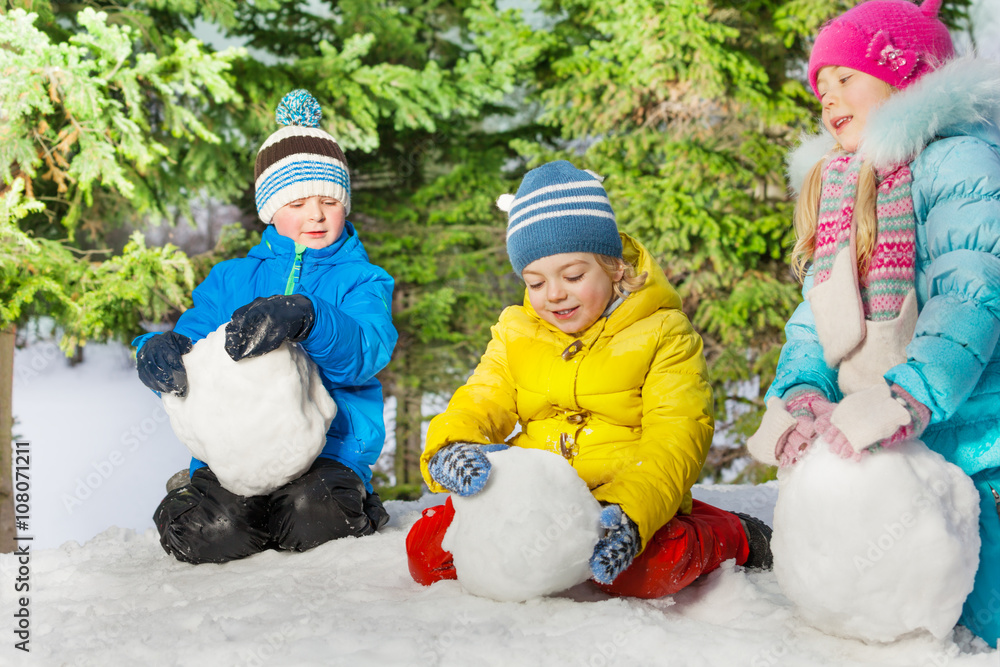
530 532
877 548
258 423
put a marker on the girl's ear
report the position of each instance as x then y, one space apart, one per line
619 273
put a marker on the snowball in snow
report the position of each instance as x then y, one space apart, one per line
258 423
878 548
530 532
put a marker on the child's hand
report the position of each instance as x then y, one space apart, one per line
264 324
880 416
159 363
462 467
789 426
840 446
614 552
808 406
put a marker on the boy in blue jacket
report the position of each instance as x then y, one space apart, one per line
309 281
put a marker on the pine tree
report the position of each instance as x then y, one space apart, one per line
689 107
87 118
686 108
406 87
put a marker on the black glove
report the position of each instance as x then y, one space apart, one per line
264 324
159 363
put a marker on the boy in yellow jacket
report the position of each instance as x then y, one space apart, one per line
600 365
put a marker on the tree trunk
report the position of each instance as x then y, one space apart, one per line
6 436
409 419
77 357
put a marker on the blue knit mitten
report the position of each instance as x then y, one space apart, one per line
615 551
462 467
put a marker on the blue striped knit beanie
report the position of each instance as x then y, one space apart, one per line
299 160
559 208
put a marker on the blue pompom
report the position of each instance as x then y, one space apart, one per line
299 108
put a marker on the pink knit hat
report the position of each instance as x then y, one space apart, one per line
893 40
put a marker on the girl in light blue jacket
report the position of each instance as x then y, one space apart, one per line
898 219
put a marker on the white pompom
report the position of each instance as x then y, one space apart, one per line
599 178
505 203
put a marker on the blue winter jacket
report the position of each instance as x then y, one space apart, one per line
351 340
953 360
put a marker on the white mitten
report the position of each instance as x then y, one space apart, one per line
869 416
773 430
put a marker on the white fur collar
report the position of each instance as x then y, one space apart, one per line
811 149
948 101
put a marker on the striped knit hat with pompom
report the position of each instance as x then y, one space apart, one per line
559 208
299 160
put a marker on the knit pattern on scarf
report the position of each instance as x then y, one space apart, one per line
891 271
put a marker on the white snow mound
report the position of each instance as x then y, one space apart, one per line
530 532
875 549
258 423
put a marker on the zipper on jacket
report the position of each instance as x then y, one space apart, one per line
996 497
293 275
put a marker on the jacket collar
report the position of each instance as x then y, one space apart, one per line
962 97
275 246
656 293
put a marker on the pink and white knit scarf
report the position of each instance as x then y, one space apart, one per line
891 272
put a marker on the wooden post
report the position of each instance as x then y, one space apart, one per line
6 436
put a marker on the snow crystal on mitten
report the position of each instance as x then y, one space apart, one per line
258 423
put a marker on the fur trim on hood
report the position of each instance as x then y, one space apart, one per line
951 100
811 149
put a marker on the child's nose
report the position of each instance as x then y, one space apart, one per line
314 210
556 291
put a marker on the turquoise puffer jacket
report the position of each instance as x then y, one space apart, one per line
953 360
351 339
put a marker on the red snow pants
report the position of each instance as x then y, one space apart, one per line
688 546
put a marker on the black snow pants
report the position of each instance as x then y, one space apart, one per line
201 522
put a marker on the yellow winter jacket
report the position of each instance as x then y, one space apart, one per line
630 409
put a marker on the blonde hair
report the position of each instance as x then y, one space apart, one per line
630 281
806 213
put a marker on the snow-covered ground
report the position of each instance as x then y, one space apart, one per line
119 600
101 449
100 443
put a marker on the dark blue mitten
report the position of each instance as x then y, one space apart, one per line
614 552
264 324
160 365
462 467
